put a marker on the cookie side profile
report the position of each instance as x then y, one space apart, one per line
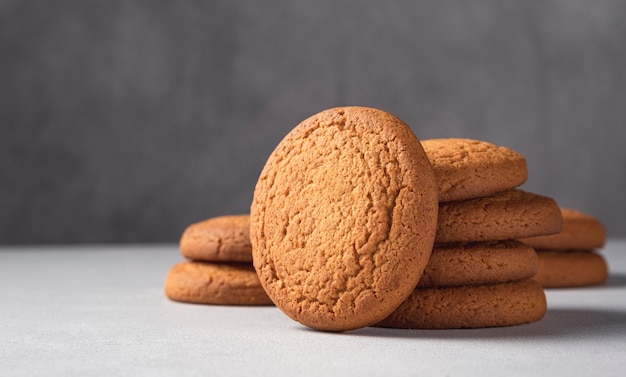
215 283
343 218
223 238
479 263
510 214
566 269
466 168
470 306
580 232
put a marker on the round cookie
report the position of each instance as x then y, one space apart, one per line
564 269
215 283
479 263
466 168
510 214
470 306
223 238
343 218
580 232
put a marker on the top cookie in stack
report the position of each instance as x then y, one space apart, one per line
218 239
466 168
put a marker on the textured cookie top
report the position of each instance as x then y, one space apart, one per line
466 168
506 215
343 218
580 232
223 238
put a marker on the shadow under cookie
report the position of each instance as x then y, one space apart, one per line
562 324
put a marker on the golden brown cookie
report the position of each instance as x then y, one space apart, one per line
470 306
580 232
215 283
510 214
466 168
224 238
479 263
343 218
563 269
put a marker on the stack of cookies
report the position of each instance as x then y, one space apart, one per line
219 267
355 223
349 205
479 274
569 258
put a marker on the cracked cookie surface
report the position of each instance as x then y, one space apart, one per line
466 168
343 218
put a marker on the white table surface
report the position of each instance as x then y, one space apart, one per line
100 310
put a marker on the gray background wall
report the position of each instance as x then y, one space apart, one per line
125 121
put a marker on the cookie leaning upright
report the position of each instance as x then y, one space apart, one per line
343 218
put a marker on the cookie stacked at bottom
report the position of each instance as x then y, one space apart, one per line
219 268
569 258
479 275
